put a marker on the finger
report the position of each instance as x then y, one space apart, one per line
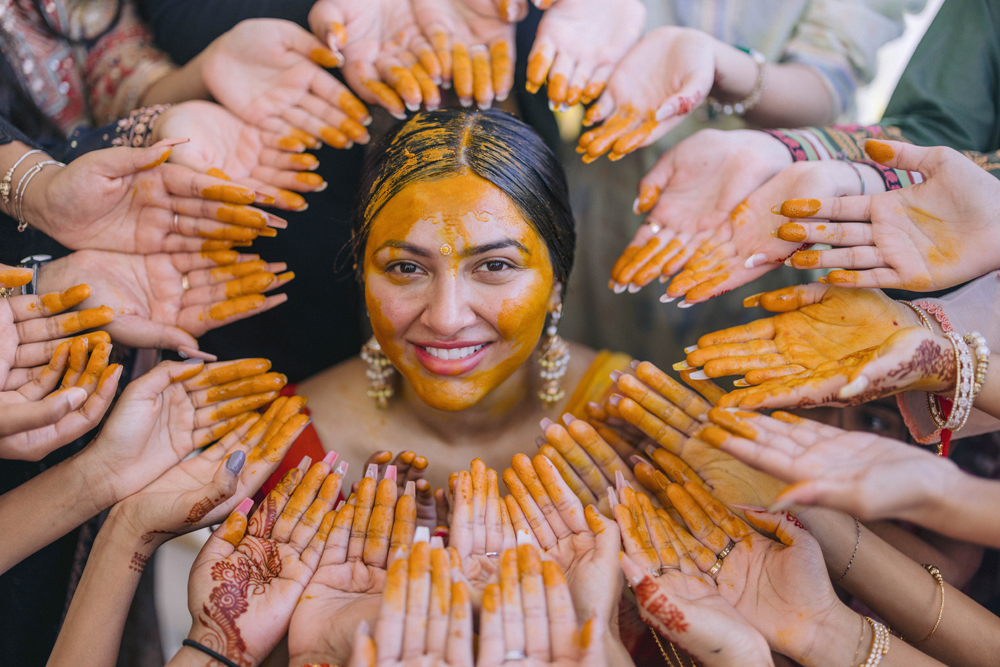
418 594
461 527
301 499
441 43
59 326
404 525
272 451
495 516
492 625
599 451
783 525
699 523
228 536
595 86
482 76
207 416
730 524
848 209
77 362
389 630
376 549
708 389
659 538
364 501
534 516
266 383
18 418
462 75
543 51
263 520
536 630
563 442
502 63
784 300
46 305
558 79
460 634
480 486
568 506
517 518
95 367
568 475
835 234
426 57
39 383
440 603
15 277
313 552
560 612
874 278
525 472
694 550
655 428
337 543
642 552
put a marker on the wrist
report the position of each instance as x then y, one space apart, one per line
946 491
735 72
189 656
36 196
835 639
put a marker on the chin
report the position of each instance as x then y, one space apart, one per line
450 399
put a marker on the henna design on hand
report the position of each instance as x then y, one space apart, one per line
199 511
658 605
148 537
257 563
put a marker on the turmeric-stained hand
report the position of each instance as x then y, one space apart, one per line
375 38
272 75
689 194
743 249
577 46
474 43
246 581
166 301
816 324
936 234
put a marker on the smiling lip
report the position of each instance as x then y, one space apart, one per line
440 366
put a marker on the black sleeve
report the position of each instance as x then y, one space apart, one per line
183 28
9 134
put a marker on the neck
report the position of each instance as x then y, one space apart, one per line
518 395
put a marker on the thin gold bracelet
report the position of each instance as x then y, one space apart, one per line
936 573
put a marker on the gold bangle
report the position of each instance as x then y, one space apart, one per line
936 573
861 640
919 312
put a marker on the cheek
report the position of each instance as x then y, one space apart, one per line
387 311
522 316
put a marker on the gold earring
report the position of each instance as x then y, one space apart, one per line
553 358
380 372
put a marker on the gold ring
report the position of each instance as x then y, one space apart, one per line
185 283
725 552
176 216
715 569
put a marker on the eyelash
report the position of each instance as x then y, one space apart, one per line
396 266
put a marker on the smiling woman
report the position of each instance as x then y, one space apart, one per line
463 239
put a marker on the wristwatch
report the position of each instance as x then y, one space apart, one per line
33 262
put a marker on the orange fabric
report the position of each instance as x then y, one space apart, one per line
307 444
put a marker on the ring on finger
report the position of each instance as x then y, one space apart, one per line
664 568
185 283
176 219
655 228
492 554
725 552
514 655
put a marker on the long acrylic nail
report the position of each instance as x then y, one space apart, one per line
615 375
682 365
341 469
546 423
667 299
245 506
372 471
690 348
685 304
422 534
740 383
330 458
305 463
235 461
390 473
614 399
523 537
698 375
854 387
568 419
755 260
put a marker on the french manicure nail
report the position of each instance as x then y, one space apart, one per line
667 299
422 534
235 461
523 538
619 288
740 383
755 260
633 288
614 399
685 304
788 262
615 375
245 506
635 206
690 348
698 375
546 423
568 419
305 463
372 471
682 365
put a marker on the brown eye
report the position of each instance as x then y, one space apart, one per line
495 265
406 267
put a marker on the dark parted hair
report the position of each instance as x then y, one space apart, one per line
491 144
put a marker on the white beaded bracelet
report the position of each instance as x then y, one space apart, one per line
962 402
880 643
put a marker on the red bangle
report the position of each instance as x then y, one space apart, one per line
938 313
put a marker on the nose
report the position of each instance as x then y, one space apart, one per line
449 310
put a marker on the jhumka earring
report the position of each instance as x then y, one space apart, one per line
553 358
380 372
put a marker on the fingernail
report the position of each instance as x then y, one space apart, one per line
182 354
437 542
635 206
568 419
372 471
689 349
245 506
615 375
541 442
633 365
633 288
422 534
305 463
390 473
665 298
685 304
854 387
612 497
732 409
614 399
619 288
748 508
193 361
546 423
235 461
682 365
754 260
698 375
523 538
619 480
341 469
76 396
780 506
339 505
330 458
788 262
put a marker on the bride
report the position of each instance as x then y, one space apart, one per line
463 239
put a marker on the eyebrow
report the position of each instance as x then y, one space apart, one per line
468 252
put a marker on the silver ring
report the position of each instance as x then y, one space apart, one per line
492 554
725 552
176 217
664 568
185 283
654 227
514 655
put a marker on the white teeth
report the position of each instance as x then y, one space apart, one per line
454 353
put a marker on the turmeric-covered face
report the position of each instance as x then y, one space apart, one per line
457 285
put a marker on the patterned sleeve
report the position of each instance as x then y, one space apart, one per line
839 40
121 67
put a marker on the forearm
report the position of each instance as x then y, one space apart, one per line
966 509
902 592
47 507
179 86
92 631
793 95
9 155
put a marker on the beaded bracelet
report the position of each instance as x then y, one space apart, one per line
5 183
961 403
919 312
880 643
978 342
936 574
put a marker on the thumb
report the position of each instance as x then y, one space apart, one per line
37 414
136 331
220 489
607 535
363 651
592 641
224 540
156 381
788 299
782 524
898 348
326 21
125 161
308 45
